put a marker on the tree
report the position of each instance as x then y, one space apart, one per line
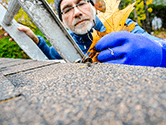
147 20
140 14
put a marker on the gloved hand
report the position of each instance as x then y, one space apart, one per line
128 48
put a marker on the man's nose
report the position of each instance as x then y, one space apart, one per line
77 12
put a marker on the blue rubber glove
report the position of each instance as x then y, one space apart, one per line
128 48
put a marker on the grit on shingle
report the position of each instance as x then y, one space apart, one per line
68 93
18 111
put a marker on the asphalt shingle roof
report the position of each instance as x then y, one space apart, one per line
36 92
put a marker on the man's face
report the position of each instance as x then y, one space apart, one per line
78 19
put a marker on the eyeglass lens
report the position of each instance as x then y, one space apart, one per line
81 6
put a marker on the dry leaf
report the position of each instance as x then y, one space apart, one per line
113 20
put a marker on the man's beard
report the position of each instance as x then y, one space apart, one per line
83 28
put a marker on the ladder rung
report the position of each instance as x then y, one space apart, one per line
11 12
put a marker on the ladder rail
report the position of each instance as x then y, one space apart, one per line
63 28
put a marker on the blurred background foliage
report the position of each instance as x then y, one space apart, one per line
12 50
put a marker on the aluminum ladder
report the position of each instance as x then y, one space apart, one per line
47 22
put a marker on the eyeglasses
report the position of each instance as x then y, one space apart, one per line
81 6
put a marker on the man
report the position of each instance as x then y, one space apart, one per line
79 16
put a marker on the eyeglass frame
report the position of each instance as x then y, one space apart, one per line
70 8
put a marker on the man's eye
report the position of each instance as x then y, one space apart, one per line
81 4
67 10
